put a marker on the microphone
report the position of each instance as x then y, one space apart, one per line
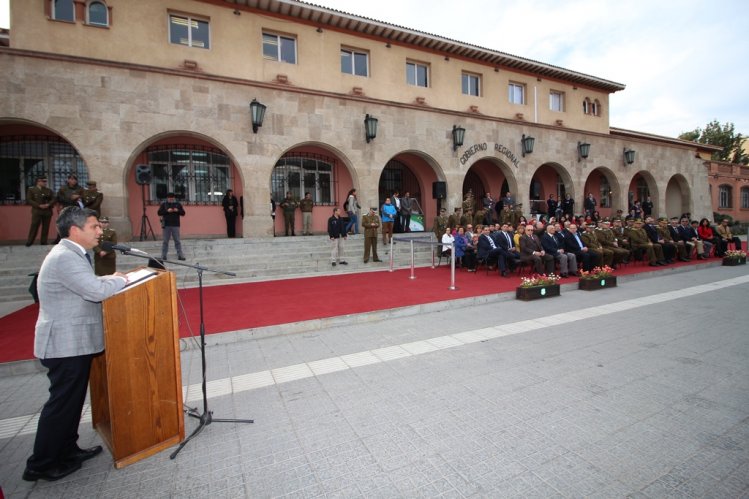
107 246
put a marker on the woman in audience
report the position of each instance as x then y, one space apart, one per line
706 233
447 238
465 251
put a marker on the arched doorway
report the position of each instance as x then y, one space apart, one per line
487 175
641 187
549 178
602 184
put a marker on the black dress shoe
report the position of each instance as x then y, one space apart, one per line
181 258
376 260
84 454
653 264
343 263
52 474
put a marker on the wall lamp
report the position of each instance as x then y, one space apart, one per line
629 156
583 150
527 144
257 111
459 133
370 128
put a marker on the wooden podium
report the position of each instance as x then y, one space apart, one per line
136 384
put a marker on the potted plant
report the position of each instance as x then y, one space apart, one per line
598 278
734 257
537 286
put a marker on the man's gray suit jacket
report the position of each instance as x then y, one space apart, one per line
70 295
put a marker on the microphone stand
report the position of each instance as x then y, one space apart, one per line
206 417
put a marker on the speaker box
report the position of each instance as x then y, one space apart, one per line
143 174
439 190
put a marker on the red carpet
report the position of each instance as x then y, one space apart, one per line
257 304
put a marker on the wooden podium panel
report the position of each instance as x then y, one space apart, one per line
136 384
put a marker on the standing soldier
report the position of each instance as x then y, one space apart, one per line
306 205
505 216
105 262
467 202
69 194
370 222
517 212
453 220
289 205
440 224
42 199
92 198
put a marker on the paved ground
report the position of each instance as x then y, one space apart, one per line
638 391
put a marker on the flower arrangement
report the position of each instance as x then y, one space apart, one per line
597 273
539 280
735 254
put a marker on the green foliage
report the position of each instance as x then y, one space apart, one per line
723 136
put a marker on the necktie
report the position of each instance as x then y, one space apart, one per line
491 241
88 257
579 241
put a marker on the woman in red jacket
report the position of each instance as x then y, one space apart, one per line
706 232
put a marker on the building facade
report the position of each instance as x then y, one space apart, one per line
99 88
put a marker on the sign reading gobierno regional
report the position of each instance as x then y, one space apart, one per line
483 147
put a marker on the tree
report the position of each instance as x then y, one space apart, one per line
720 135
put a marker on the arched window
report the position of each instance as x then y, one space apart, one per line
63 10
97 14
642 190
745 198
596 111
605 192
23 158
725 193
196 174
586 106
304 172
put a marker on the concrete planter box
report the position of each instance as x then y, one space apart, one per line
732 262
600 283
537 292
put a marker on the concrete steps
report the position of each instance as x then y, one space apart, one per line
251 259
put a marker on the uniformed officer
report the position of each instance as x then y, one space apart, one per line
454 219
590 238
516 214
70 194
105 262
370 223
608 240
42 199
677 247
306 204
92 198
639 240
468 202
440 224
478 217
289 206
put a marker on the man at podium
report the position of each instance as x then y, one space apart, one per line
69 332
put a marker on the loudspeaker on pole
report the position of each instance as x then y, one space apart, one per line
143 174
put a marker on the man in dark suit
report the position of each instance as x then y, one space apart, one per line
669 250
503 239
574 244
532 251
69 332
488 251
554 246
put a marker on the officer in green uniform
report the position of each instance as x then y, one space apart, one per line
306 204
42 199
665 234
440 224
607 239
454 219
69 194
370 223
640 241
468 202
478 218
289 206
590 238
516 214
505 216
92 198
105 262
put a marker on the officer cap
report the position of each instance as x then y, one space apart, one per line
92 183
638 220
43 177
373 208
442 210
170 195
663 219
104 219
605 221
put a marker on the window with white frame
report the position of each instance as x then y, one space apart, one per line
605 192
596 110
745 198
725 193
299 173
516 93
196 174
63 10
556 101
354 62
279 48
189 31
97 14
417 74
471 84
